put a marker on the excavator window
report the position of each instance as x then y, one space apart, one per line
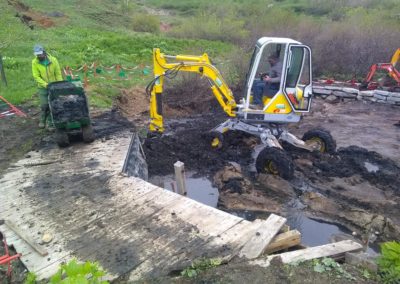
297 86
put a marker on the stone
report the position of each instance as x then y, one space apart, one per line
332 99
379 97
303 163
395 95
344 94
321 91
276 184
366 93
333 88
382 93
47 238
350 90
361 259
393 99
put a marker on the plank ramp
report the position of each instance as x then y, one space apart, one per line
93 212
132 228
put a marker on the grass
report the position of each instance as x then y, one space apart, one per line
103 31
92 33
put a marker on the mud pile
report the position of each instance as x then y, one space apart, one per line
354 160
69 108
188 141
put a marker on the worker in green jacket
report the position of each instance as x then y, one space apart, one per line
45 69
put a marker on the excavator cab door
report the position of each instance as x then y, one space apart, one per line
297 79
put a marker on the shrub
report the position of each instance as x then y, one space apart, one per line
146 23
212 26
389 262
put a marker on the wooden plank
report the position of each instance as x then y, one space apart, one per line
26 238
179 168
283 241
329 250
264 235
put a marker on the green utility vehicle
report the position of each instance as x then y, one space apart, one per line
70 112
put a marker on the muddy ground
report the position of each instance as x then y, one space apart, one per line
357 187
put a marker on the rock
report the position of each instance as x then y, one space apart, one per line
351 90
321 91
226 174
303 163
393 99
361 259
381 93
379 97
366 93
47 238
344 94
276 184
332 99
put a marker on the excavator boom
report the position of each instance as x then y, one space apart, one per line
185 63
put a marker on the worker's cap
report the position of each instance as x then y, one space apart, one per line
38 49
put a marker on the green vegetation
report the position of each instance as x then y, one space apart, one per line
389 262
200 265
73 273
329 265
346 36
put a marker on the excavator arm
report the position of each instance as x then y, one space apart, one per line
185 63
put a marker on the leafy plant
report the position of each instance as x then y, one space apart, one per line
30 278
82 273
329 265
200 265
389 262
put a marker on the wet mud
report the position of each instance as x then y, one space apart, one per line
357 187
69 108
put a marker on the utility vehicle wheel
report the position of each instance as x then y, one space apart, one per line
62 138
275 161
88 133
321 139
216 139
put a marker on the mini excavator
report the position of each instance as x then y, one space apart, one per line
289 102
393 73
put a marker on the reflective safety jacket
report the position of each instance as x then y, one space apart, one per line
46 71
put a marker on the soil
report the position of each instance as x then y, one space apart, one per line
33 18
276 273
358 182
355 187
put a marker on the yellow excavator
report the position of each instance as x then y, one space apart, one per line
283 101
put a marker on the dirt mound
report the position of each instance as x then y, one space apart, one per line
188 141
133 102
30 17
355 160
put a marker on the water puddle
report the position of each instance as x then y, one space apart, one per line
313 232
198 188
371 168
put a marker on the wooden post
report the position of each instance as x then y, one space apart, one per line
3 74
180 177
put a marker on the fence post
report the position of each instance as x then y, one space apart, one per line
3 74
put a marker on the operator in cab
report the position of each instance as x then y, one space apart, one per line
269 85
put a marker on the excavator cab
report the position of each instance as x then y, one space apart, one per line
287 91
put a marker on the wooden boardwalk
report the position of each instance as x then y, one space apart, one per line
132 228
